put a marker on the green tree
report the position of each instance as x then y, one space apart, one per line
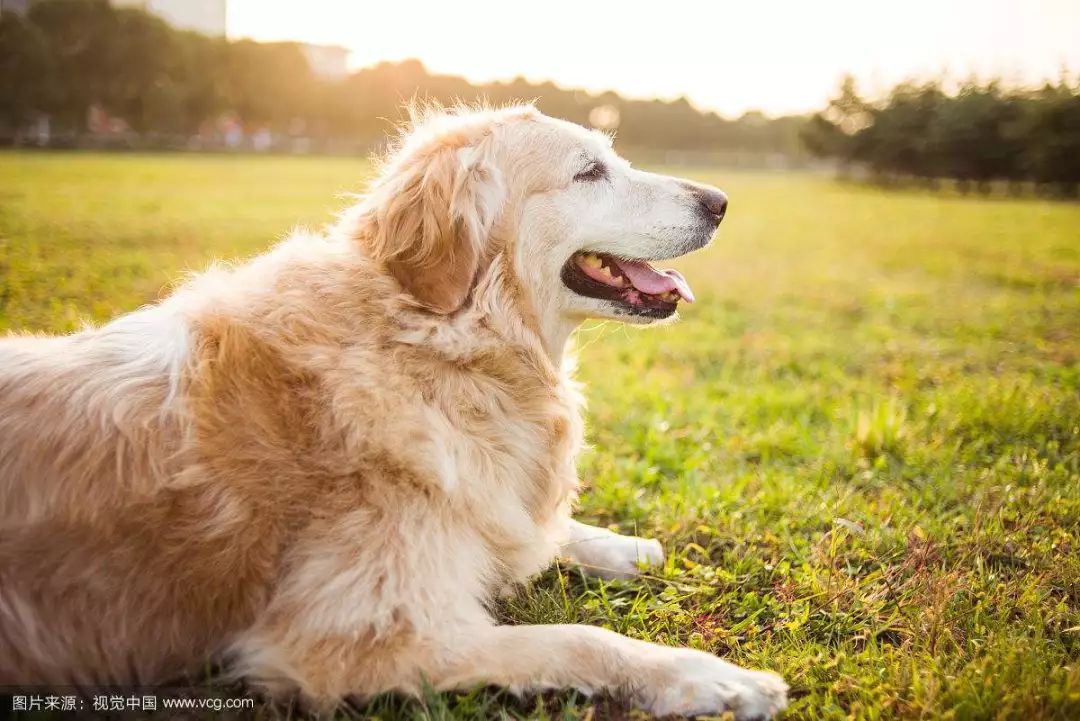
1054 119
838 130
977 136
897 140
980 134
78 33
267 83
27 72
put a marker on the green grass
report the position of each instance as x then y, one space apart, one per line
861 447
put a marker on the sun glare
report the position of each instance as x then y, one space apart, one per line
778 57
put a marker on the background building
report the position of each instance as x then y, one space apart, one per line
204 16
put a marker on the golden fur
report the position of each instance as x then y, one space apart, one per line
321 464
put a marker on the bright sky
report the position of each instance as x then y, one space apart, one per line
778 56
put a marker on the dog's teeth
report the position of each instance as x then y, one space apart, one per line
591 260
620 282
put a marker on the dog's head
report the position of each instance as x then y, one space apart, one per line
577 224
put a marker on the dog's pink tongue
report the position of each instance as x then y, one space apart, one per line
654 282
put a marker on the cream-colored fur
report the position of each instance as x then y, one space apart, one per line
321 464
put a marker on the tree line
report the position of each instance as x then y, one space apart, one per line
66 56
977 134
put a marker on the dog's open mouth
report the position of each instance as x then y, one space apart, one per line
633 284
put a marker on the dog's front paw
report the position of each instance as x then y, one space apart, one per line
699 684
640 552
612 556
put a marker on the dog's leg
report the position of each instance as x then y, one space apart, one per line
661 679
602 553
366 608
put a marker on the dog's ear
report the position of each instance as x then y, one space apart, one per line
433 212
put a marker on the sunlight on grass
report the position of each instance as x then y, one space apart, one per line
879 428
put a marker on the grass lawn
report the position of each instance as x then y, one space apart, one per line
861 447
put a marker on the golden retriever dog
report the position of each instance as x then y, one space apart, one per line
323 464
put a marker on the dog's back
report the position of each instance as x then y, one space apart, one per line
85 419
111 567
152 471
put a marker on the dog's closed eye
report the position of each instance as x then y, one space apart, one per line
594 171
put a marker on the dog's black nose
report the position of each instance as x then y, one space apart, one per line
714 201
